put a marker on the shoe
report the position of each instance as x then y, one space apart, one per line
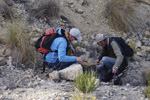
117 81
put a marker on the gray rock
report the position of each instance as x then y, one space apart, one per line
3 62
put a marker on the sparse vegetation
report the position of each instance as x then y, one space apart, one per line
18 39
147 75
45 9
78 96
120 14
5 10
147 89
86 82
147 92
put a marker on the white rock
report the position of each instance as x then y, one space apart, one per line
71 72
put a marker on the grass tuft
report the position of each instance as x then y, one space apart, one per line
86 82
146 92
78 96
147 75
121 16
5 10
45 9
18 40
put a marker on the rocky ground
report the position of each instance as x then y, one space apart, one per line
19 84
88 15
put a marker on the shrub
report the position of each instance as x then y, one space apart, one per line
147 92
147 89
45 9
5 10
18 40
147 76
121 16
86 82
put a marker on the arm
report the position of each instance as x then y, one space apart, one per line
62 53
118 54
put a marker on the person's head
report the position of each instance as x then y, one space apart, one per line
100 39
74 35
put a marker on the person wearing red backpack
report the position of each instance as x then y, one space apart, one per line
58 58
112 60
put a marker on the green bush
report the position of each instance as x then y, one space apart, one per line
86 82
18 40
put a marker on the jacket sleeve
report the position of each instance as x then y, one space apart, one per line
118 54
62 53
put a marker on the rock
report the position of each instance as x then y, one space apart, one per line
145 49
79 10
147 34
138 44
3 62
70 1
81 1
71 72
54 75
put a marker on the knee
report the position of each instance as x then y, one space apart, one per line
104 60
100 68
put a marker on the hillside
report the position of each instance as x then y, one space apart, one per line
21 79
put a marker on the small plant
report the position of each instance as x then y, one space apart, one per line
78 96
18 40
147 89
147 92
45 9
86 82
121 17
5 10
147 75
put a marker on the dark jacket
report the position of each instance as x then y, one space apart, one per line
114 50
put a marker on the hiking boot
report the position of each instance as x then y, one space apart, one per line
117 81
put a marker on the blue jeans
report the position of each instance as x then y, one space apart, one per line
107 64
59 65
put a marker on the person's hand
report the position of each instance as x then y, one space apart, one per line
97 61
114 70
79 59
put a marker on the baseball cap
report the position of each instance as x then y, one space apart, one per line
76 33
99 37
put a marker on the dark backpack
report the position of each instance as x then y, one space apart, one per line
44 42
125 48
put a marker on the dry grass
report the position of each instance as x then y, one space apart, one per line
79 96
121 16
45 9
146 91
18 39
5 10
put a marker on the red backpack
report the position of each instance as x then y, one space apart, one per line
44 42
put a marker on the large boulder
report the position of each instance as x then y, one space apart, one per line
71 72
